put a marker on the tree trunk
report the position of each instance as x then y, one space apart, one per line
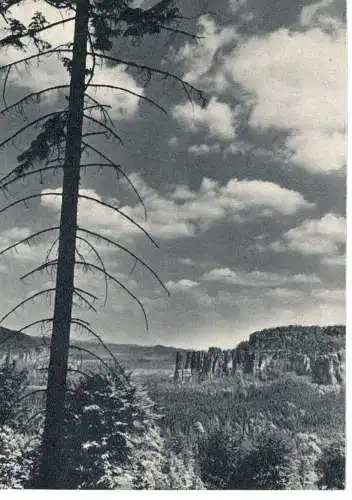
50 472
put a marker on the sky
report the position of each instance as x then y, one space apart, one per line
245 196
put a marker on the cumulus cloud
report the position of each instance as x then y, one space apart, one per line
257 278
216 118
181 285
324 237
182 212
199 59
298 86
326 14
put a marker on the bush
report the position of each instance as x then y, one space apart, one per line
268 465
12 385
331 466
18 453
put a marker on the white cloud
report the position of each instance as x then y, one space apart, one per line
182 212
199 58
257 278
182 285
217 118
204 149
297 83
325 14
324 237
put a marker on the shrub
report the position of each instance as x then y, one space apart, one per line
331 466
18 454
12 385
268 465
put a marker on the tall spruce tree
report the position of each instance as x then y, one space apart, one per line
59 146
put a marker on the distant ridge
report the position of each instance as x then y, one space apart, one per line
12 340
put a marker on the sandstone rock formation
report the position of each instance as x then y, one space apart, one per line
305 351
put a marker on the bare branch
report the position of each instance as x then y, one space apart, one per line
101 124
47 264
92 70
29 125
103 111
119 169
91 295
85 301
100 340
90 134
51 248
187 87
91 266
83 349
28 394
30 237
101 262
135 94
34 323
121 247
23 175
27 198
5 85
28 299
56 50
120 212
30 96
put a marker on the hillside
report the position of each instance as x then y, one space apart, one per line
13 340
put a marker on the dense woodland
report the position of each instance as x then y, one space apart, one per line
145 431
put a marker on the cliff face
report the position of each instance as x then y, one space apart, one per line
318 352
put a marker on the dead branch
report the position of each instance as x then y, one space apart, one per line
94 267
29 125
25 301
129 252
101 262
56 50
85 301
119 169
120 212
135 94
87 351
100 340
30 96
150 70
107 129
29 238
40 268
27 198
34 323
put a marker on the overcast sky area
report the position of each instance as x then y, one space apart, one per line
245 196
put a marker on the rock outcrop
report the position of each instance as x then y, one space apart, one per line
317 352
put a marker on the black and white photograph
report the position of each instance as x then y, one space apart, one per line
173 245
